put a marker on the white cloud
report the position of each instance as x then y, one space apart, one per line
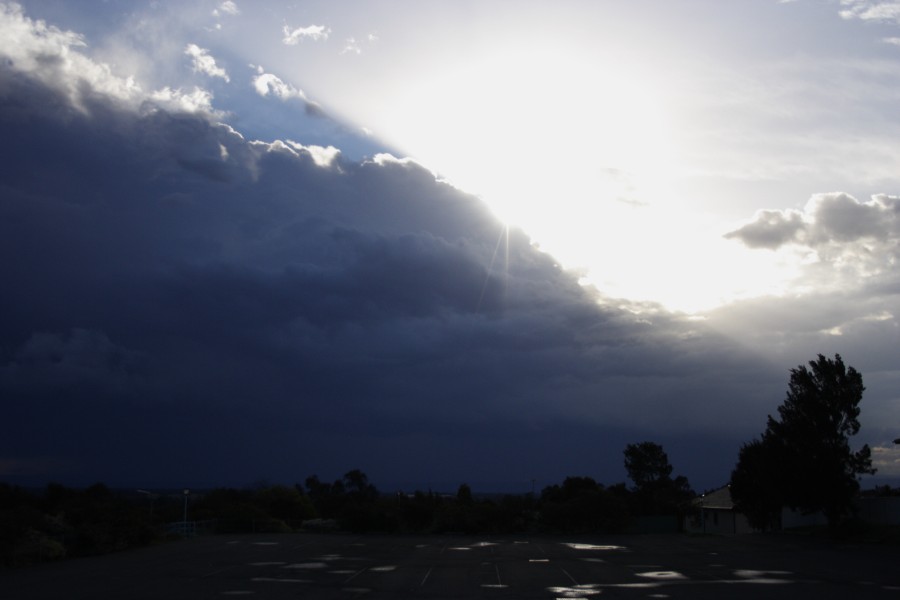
895 41
351 46
867 10
887 460
267 83
834 218
354 46
197 100
847 258
228 8
770 229
55 58
203 62
292 37
321 156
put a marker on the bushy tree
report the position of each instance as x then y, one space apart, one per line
655 491
754 486
803 459
646 463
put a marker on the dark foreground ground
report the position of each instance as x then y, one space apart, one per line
376 567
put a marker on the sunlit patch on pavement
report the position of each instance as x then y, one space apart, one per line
764 577
662 575
578 591
751 574
577 546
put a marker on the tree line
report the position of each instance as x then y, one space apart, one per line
60 521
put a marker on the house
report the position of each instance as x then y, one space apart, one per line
714 513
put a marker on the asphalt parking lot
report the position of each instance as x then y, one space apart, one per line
377 567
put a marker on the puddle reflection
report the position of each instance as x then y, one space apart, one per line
578 591
662 575
577 546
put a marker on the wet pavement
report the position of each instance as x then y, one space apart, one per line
376 567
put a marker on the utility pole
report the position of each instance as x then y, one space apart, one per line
187 493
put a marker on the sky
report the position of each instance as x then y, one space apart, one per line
441 242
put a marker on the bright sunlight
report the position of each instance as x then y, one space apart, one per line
582 151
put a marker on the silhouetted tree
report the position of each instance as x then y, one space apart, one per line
654 489
646 463
805 455
357 484
464 494
754 488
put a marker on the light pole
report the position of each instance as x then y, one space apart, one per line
187 493
150 496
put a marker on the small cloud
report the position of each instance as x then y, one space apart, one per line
355 46
203 62
895 41
269 84
886 459
226 8
351 47
770 229
868 10
196 101
292 37
322 156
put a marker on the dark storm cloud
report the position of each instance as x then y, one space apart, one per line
175 295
